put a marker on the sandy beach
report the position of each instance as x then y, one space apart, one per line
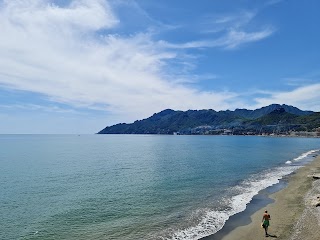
294 215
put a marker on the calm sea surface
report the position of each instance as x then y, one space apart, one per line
136 186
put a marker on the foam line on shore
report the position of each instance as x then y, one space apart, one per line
302 156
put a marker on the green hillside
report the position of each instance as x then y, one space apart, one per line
280 118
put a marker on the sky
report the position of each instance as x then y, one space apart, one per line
77 66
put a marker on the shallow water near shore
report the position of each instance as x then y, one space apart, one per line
136 186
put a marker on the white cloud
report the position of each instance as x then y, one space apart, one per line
81 14
298 81
228 31
234 29
36 107
305 98
236 38
231 40
227 21
55 51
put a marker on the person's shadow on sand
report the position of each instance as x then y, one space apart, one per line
273 236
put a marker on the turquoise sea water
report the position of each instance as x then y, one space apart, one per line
136 186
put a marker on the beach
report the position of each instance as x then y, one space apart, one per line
294 215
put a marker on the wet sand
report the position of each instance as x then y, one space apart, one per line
294 215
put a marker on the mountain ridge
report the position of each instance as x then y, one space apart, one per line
209 121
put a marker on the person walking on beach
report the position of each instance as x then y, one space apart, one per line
265 222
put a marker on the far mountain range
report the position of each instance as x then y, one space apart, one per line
272 119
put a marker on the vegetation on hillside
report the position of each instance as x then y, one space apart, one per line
270 119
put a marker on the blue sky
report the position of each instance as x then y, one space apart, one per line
78 66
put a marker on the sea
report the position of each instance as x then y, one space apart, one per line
122 187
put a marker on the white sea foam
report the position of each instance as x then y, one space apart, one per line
301 157
304 155
243 193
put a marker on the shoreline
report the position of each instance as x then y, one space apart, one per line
287 202
259 201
